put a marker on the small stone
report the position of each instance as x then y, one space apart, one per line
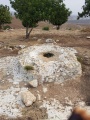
88 37
33 83
62 84
39 40
11 29
45 89
54 27
28 98
34 38
39 97
45 97
49 41
10 48
86 56
22 46
57 40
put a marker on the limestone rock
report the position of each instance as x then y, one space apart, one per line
45 89
22 46
52 62
57 40
49 41
88 37
28 98
39 40
35 38
33 83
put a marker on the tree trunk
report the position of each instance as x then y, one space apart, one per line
27 36
58 27
28 32
0 27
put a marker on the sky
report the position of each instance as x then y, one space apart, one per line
74 5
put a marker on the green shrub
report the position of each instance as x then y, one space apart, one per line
45 28
27 67
6 27
80 59
69 28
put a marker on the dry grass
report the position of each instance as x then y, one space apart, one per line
86 30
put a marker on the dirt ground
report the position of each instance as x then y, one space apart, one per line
73 89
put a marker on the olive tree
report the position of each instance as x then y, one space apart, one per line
5 16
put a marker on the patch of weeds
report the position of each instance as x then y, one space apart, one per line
80 59
85 30
69 28
45 28
7 27
28 67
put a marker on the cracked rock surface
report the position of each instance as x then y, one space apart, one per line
63 65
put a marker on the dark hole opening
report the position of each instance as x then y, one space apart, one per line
48 55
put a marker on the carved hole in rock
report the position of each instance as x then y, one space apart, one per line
48 54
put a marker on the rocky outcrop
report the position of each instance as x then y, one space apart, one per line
51 62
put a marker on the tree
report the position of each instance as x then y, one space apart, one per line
86 10
5 16
30 12
58 13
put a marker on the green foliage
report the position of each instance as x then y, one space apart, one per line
58 13
5 16
86 10
6 27
30 12
29 68
80 59
45 28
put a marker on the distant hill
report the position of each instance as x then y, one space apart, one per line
74 17
82 21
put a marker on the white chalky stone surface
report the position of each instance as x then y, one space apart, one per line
9 99
56 111
62 66
11 66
